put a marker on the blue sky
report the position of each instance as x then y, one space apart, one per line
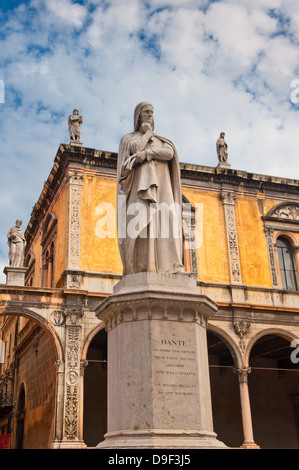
207 67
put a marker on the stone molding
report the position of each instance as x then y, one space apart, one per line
154 296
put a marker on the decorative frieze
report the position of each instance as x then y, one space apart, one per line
232 238
74 220
271 253
73 317
287 211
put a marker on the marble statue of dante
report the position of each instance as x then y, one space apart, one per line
16 241
221 147
74 125
148 178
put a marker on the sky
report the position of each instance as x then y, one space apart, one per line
206 66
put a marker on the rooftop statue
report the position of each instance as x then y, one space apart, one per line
17 243
221 147
74 125
149 199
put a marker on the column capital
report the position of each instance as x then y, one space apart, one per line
242 373
83 365
228 197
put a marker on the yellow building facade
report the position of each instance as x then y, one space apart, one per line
241 244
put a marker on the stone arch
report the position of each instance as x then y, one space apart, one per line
230 343
286 234
49 222
277 211
287 335
45 324
89 338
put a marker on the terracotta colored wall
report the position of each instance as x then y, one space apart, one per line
37 372
253 249
60 209
99 254
212 254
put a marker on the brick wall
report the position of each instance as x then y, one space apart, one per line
37 372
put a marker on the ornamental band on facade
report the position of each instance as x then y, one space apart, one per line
74 220
231 231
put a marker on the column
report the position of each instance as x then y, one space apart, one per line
58 423
83 365
245 408
69 402
50 270
72 402
273 258
232 238
295 250
74 220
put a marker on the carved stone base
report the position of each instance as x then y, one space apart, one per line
161 439
15 276
76 143
158 374
249 445
223 165
68 445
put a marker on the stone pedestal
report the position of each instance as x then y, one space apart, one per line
223 165
158 375
15 276
76 143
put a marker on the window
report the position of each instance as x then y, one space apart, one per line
48 250
288 273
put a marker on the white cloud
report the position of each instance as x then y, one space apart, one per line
67 11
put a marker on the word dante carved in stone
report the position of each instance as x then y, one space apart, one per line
175 342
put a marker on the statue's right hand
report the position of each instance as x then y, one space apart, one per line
146 126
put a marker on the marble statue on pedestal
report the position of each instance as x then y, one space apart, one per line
17 243
74 125
149 199
221 147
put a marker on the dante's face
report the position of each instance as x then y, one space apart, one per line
147 114
18 223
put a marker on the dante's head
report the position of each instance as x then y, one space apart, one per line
143 113
18 223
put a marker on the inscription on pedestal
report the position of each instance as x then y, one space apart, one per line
176 383
174 367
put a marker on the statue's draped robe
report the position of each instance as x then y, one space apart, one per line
16 242
74 127
221 148
155 181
